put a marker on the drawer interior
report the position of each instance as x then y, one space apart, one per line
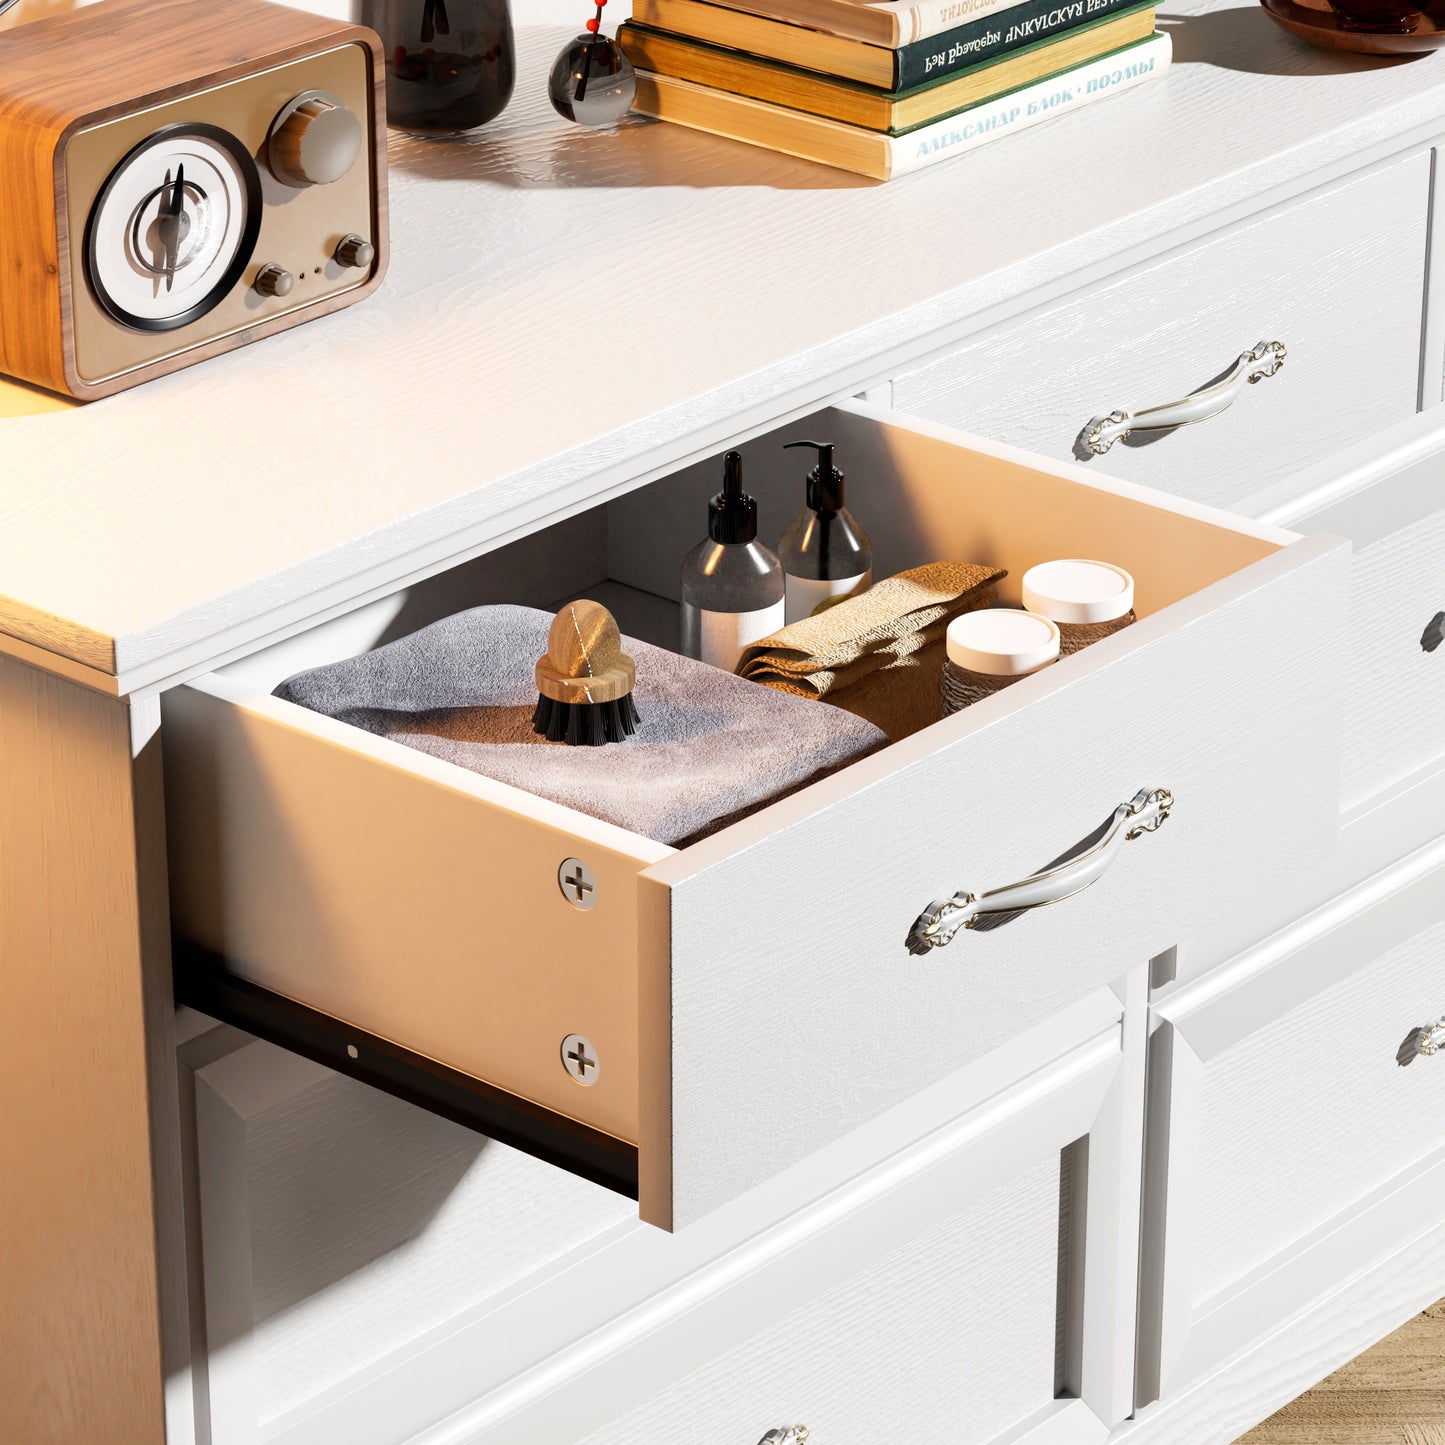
920 497
271 807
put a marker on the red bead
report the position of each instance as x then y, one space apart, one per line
593 25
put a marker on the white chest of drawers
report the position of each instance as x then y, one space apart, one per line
847 1141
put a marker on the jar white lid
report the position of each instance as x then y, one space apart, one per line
1077 591
1002 642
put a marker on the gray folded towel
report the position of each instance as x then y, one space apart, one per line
711 747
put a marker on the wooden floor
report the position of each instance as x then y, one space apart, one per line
1394 1394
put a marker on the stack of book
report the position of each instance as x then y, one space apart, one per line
882 87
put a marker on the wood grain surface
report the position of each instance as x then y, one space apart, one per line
965 1311
1393 1394
1324 276
89 1191
460 402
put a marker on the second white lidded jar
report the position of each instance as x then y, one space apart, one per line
991 648
1088 600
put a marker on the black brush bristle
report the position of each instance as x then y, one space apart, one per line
588 725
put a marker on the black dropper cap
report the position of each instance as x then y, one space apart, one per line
825 481
732 515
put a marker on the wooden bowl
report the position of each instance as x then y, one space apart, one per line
1376 29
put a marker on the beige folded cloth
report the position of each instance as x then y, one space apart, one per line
877 655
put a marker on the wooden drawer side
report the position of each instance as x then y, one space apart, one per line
421 910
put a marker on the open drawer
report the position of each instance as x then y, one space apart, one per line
751 997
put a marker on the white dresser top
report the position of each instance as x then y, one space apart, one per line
568 312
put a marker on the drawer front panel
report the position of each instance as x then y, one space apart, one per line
339 1224
852 1023
951 1337
370 1273
1308 1115
1296 1132
1396 677
1337 277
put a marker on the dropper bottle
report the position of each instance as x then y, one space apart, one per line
732 586
825 553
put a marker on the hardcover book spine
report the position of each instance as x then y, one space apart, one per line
1020 109
994 35
933 17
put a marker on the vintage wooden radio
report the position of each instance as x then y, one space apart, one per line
178 178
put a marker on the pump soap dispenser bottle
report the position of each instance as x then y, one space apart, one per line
732 586
825 553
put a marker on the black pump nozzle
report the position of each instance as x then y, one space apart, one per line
732 515
825 481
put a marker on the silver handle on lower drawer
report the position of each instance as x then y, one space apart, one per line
936 926
788 1435
1251 366
1428 1039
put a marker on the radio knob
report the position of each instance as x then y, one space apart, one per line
314 140
354 250
274 280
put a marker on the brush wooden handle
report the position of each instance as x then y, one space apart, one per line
584 661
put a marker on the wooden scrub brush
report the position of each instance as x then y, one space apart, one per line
584 681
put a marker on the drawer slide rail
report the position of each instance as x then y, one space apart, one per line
203 982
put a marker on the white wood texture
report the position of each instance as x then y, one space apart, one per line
1385 495
273 809
580 1293
685 1329
1286 1144
1390 505
1302 1116
1348 487
949 1336
1385 828
338 1224
1337 277
1393 725
332 473
1350 1311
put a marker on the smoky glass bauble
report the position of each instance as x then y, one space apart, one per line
592 81
450 64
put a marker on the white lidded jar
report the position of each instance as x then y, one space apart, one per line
989 649
1088 600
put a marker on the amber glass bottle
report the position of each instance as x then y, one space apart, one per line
450 64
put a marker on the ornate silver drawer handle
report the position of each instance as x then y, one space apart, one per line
1266 359
788 1435
1145 812
1428 1039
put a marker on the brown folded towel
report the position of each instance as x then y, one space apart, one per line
877 655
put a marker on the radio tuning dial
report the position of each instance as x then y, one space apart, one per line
314 140
274 280
355 251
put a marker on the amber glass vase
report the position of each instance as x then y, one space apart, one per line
450 64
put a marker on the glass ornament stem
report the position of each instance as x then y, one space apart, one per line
587 66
